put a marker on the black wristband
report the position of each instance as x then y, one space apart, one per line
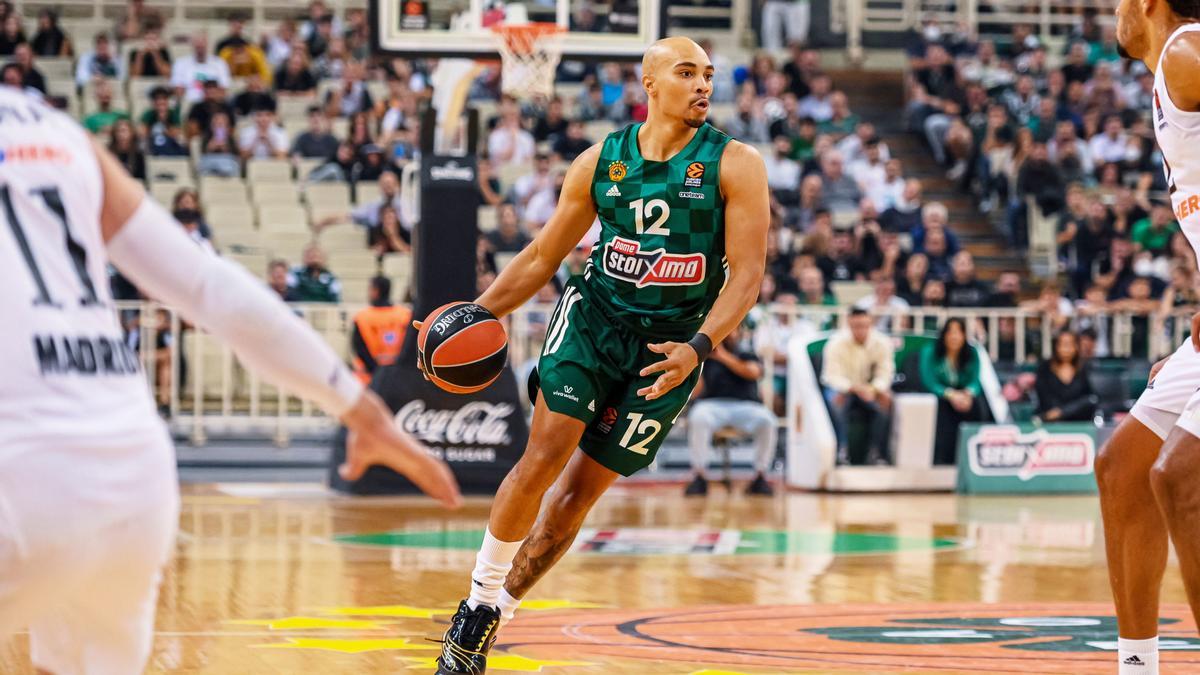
703 346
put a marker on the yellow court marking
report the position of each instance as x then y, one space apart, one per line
311 622
347 646
406 611
510 662
541 605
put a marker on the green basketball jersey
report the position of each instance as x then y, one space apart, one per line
660 261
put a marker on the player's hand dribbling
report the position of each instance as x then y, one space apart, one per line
374 438
420 366
680 362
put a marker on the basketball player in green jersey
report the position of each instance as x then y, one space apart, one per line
684 213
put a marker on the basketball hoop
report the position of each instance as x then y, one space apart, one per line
529 55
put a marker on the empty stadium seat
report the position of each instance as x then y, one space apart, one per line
486 217
268 170
173 170
328 196
292 218
286 245
274 194
217 188
351 265
255 263
232 216
343 237
238 240
354 291
295 107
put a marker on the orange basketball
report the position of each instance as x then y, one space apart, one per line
462 347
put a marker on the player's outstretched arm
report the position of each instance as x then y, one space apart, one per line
150 248
533 267
747 218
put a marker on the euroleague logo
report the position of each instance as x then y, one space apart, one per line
624 259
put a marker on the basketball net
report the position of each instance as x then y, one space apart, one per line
529 56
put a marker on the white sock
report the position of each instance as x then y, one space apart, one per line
1137 657
492 564
508 606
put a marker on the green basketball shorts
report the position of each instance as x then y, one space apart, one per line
589 370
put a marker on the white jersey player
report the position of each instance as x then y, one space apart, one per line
1149 472
88 492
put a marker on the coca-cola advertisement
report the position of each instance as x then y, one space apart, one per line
480 435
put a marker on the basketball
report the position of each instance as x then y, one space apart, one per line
462 347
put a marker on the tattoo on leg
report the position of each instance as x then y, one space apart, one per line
537 555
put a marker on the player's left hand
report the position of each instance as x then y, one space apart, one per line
680 362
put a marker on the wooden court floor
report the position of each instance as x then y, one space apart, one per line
293 579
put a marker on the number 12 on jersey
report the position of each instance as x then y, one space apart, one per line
53 200
655 208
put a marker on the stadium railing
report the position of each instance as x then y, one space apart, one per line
1051 20
208 393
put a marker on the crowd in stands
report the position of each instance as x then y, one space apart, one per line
1011 121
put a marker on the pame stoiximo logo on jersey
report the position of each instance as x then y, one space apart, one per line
1005 451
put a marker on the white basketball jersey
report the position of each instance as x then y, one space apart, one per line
1178 135
66 373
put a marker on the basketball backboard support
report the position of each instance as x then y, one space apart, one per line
611 30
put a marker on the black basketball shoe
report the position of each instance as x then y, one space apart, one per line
468 639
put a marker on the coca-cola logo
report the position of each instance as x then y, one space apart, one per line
476 423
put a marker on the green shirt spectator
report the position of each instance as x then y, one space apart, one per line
100 121
950 370
1154 232
938 375
312 281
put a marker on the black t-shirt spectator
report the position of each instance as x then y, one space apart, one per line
545 129
202 113
939 81
796 82
35 80
569 149
894 220
247 102
906 291
503 244
721 382
8 45
149 65
319 146
302 81
1075 399
1077 72
973 293
846 268
48 42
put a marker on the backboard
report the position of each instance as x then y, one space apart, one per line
610 30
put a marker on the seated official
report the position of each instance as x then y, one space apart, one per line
857 368
728 398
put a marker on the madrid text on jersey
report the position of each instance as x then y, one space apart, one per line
95 356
